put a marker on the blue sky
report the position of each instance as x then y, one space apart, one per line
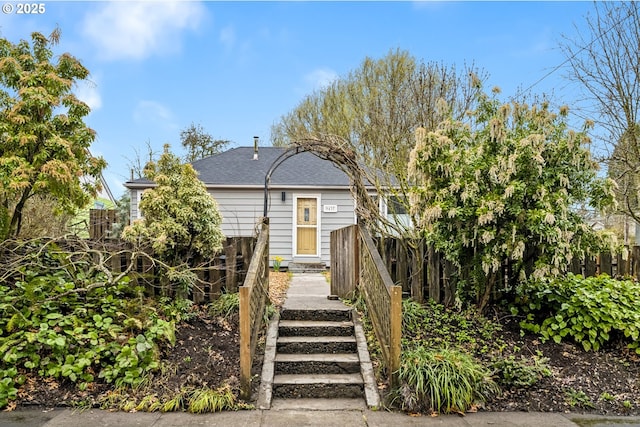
236 67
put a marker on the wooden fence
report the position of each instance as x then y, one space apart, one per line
345 261
422 272
100 223
355 260
253 299
225 272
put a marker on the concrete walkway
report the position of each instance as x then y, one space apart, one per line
282 418
310 291
305 287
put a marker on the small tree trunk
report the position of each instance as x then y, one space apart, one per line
488 288
417 261
16 219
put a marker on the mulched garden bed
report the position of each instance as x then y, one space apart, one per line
606 382
207 354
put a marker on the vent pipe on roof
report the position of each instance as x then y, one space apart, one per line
255 148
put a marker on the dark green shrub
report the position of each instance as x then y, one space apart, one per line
511 372
590 310
9 385
434 325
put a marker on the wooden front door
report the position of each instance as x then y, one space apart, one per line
306 226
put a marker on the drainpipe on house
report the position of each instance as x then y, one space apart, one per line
255 148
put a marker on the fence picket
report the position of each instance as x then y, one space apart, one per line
384 303
253 299
213 275
435 278
344 261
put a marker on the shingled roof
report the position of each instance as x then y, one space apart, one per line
237 167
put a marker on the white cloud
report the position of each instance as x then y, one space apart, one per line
239 50
320 78
136 30
87 92
154 113
228 36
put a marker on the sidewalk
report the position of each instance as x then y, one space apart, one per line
275 418
302 286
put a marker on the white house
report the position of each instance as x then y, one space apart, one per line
308 198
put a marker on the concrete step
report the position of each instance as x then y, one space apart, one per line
318 357
324 344
318 379
336 315
318 386
353 404
317 363
306 267
314 328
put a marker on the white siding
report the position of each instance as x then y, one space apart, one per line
334 220
133 205
280 221
241 209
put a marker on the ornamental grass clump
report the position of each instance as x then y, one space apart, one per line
193 400
226 305
211 400
442 381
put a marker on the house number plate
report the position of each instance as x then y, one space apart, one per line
330 208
